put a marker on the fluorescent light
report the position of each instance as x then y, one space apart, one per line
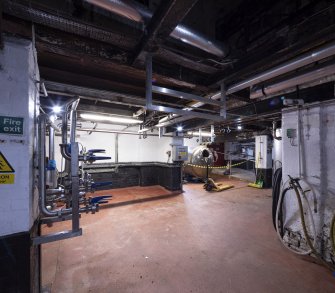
56 109
116 119
180 128
203 133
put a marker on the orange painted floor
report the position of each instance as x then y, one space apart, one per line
193 242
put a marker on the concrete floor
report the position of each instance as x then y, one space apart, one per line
194 242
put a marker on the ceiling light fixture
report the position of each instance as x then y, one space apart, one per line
180 128
56 109
116 119
239 127
203 134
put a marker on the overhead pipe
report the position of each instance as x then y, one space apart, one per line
293 64
308 58
118 132
301 79
138 13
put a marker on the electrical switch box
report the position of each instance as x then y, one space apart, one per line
179 153
291 133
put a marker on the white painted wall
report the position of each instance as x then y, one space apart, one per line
131 148
317 164
18 96
191 143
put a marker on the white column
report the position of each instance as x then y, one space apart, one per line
18 98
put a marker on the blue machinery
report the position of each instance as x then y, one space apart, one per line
73 183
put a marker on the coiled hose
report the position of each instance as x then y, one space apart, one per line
294 184
296 188
332 233
279 218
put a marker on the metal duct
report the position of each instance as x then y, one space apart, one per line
132 10
298 62
295 81
62 23
194 38
123 8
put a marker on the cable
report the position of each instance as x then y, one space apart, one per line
277 178
279 213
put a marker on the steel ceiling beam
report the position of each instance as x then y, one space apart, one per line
183 95
149 103
167 16
109 96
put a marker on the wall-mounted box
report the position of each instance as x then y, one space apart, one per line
179 153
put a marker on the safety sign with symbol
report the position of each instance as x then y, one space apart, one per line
7 175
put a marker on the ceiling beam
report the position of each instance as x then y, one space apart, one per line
165 19
58 57
106 96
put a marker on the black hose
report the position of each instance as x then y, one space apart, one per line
280 214
276 184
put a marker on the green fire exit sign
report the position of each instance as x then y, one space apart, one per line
11 125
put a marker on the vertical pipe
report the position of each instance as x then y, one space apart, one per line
75 185
223 99
53 176
148 81
73 126
116 148
41 160
299 142
212 133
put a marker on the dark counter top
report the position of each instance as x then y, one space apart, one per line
129 174
110 167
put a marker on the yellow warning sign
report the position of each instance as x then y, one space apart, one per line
5 167
7 178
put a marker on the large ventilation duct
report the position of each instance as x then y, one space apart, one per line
138 13
123 8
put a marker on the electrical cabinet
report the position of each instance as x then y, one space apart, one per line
179 153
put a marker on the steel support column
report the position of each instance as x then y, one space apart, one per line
148 81
223 99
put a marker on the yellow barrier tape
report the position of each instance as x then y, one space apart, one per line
216 167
